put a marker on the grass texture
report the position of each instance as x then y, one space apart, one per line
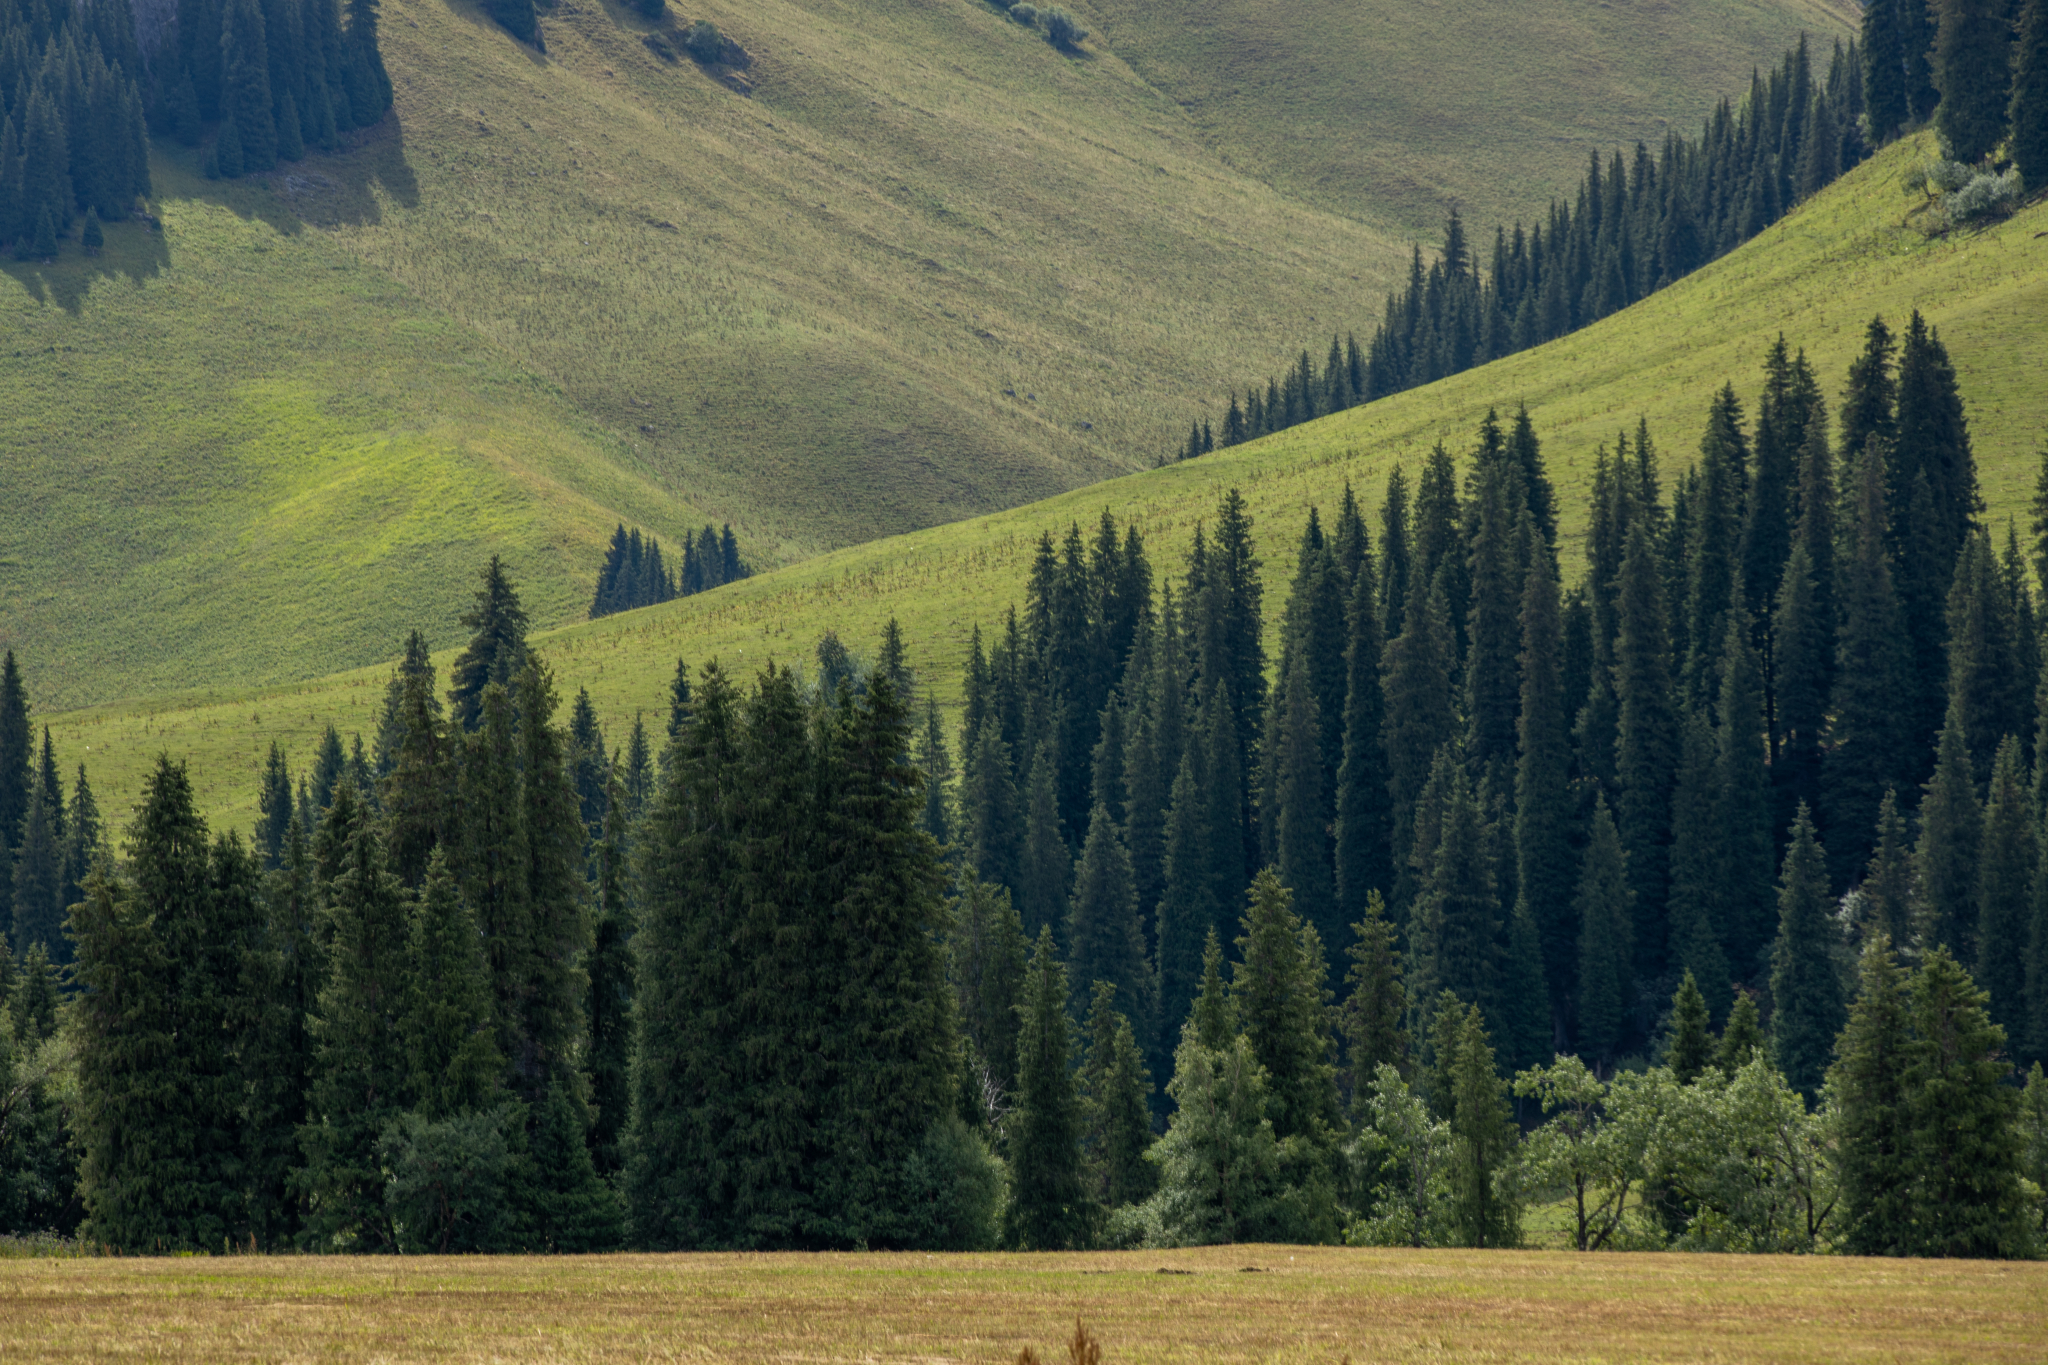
1818 277
1243 1303
910 266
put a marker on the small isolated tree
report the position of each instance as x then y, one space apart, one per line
704 42
1062 30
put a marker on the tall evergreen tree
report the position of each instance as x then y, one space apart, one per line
1046 869
1690 1044
1303 851
1806 986
609 1057
1887 892
1049 1208
1945 857
1606 955
1115 1095
1545 873
1457 927
1972 65
497 646
1189 908
1873 1160
1483 1140
1866 752
1699 858
1371 1020
444 1024
2027 114
1647 750
274 805
16 756
1102 923
991 818
986 954
1419 714
2006 869
1281 1004
1363 853
1742 809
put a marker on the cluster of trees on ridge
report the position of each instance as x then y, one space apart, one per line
493 985
1633 228
1977 68
633 574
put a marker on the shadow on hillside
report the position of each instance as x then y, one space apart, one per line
341 190
135 251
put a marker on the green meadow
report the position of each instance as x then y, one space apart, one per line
1817 277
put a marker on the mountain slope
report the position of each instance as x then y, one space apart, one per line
1818 277
928 267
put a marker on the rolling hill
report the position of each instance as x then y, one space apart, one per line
1817 277
911 265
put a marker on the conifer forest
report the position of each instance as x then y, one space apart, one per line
1704 892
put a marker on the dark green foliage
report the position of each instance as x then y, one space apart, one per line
1107 943
986 958
1419 716
2006 869
1965 1145
568 1207
1304 856
1606 996
1189 906
448 1181
1276 989
281 983
1115 1093
1806 985
451 1054
1364 817
497 646
1742 802
1990 686
1483 1139
1945 857
274 804
1062 30
1874 1158
991 817
1213 1019
518 18
1647 746
418 810
937 766
1050 1208
1887 889
1972 66
1699 860
16 755
609 1059
83 844
39 876
1689 1046
1897 81
1545 873
363 1077
92 237
1376 1003
1743 1038
2027 114
1456 928
1046 869
1802 637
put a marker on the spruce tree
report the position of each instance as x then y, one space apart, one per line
991 817
1457 928
1545 873
16 755
1363 852
1873 1135
1491 704
1606 976
986 958
1108 944
282 976
1115 1095
497 646
1647 748
2006 871
1189 908
1866 755
1743 1039
1483 1138
1887 891
1049 1209
1277 991
1802 645
1046 868
548 987
1964 1142
937 766
1689 1047
38 877
609 1011
84 844
1806 986
1742 801
1699 859
1972 64
451 1057
1419 716
1302 840
1375 1003
2027 114
274 804
1945 857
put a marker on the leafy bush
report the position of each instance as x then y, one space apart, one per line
1984 195
1946 177
953 1191
447 1182
1062 29
1025 14
705 42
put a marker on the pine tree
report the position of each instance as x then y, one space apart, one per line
1049 1208
2006 870
418 810
1699 859
1108 944
1887 890
1419 716
497 647
1964 1142
1606 978
1743 1039
1873 1133
16 755
1972 62
1363 852
38 877
2027 114
1544 870
92 237
1742 801
1945 858
274 802
84 844
991 819
1304 856
986 957
1866 755
1802 645
1491 703
547 986
1115 1095
246 100
1689 1048
937 766
281 981
1376 1003
1457 928
1189 908
1806 987
1483 1139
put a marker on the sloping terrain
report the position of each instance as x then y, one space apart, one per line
1818 276
910 265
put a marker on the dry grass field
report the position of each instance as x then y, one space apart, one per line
1247 1303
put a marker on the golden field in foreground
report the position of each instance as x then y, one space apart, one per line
1249 1303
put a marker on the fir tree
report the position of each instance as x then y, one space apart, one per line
1689 1046
1647 749
1873 1160
1302 843
1887 890
1108 945
1189 908
1363 854
2006 870
610 1048
417 790
1699 859
1544 871
1277 992
16 755
1964 1144
274 803
1806 987
1945 857
1972 62
1866 755
937 766
1457 928
991 819
1742 800
986 957
1045 871
1606 994
1049 1208
497 646
38 877
2027 114
1743 1039
1115 1095
1213 1019
1419 717
1376 1003
445 1027
1483 1139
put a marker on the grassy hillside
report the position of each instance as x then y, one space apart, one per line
1371 108
1817 276
1304 1304
922 267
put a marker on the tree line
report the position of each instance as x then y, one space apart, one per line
1698 873
1633 227
71 120
633 574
